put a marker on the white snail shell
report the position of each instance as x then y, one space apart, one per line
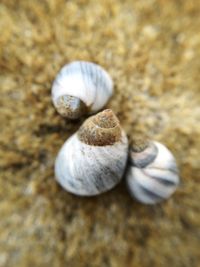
152 174
93 160
80 88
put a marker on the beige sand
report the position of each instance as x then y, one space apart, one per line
152 50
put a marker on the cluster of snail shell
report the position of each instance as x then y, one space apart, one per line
95 158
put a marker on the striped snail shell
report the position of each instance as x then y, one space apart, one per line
152 174
93 160
81 88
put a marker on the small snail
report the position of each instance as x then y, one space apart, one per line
93 160
152 174
81 88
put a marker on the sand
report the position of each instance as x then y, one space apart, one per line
151 49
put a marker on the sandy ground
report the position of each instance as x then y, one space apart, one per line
151 49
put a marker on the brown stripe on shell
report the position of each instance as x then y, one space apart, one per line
70 107
100 130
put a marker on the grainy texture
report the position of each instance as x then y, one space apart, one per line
151 49
101 129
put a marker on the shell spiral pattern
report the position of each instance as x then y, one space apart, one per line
93 160
80 88
152 174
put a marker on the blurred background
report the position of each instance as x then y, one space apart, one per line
151 48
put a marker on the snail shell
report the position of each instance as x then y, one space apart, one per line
152 174
80 88
93 160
